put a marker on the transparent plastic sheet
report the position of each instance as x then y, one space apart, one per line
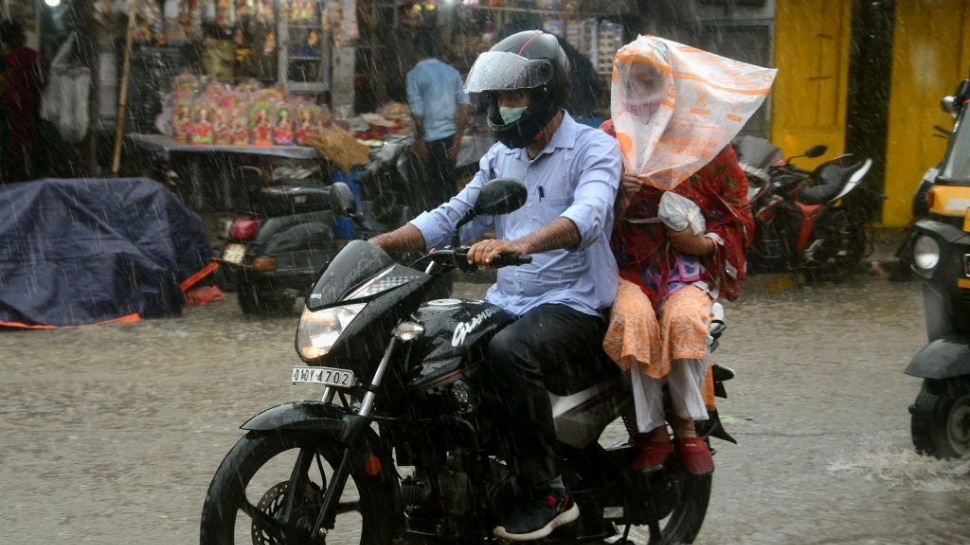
674 107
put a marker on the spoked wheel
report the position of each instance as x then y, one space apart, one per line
270 487
940 422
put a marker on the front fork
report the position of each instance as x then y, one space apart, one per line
328 511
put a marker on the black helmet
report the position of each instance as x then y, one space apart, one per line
530 60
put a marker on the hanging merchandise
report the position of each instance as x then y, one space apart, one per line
65 99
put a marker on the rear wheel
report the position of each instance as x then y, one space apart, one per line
270 487
691 495
842 249
940 423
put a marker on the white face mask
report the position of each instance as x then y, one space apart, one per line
510 115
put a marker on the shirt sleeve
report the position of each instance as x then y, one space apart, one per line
414 94
437 225
460 96
599 180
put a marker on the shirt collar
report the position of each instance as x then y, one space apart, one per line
564 137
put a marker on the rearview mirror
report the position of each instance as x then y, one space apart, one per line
949 104
501 196
342 200
816 151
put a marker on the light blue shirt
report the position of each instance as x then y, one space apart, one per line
434 93
576 176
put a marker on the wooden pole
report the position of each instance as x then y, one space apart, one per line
123 94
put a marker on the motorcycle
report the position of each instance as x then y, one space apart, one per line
405 445
274 251
940 415
807 221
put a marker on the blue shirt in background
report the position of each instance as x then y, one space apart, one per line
575 176
434 93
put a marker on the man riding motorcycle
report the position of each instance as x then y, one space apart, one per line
572 174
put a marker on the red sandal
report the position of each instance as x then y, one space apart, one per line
652 455
694 455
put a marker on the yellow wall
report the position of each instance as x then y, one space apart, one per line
808 101
931 54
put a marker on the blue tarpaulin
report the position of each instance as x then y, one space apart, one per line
81 251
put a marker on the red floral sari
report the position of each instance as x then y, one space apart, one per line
640 244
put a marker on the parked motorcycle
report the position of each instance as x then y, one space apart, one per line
274 251
807 221
940 423
404 445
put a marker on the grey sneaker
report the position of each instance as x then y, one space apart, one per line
537 516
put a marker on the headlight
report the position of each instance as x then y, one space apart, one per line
318 330
926 253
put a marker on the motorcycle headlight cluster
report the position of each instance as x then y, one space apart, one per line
319 330
926 253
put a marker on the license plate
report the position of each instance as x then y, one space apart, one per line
340 378
234 253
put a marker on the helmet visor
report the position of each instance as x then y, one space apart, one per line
504 71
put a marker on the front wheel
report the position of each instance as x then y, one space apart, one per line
940 423
277 482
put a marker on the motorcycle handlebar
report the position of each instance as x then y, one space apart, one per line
459 258
506 260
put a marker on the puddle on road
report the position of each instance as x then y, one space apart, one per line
907 469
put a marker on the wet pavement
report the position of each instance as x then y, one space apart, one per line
110 434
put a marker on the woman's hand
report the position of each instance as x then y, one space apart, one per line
686 242
629 186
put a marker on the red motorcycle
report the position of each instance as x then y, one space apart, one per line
806 221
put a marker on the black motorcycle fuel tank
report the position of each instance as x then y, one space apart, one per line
455 330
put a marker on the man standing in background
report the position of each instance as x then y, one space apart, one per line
25 77
439 108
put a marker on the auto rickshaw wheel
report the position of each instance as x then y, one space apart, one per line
940 423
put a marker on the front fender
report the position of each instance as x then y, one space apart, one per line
330 423
313 416
946 357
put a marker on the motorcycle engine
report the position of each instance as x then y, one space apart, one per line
456 489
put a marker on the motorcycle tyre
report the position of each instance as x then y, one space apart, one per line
687 517
253 451
254 301
938 406
850 238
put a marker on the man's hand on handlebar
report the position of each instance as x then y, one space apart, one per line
483 253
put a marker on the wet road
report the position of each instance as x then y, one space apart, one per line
109 435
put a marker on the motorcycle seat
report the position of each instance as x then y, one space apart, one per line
832 177
284 200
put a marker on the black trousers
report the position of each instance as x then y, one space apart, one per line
439 174
550 346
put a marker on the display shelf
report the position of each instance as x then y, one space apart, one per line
304 52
